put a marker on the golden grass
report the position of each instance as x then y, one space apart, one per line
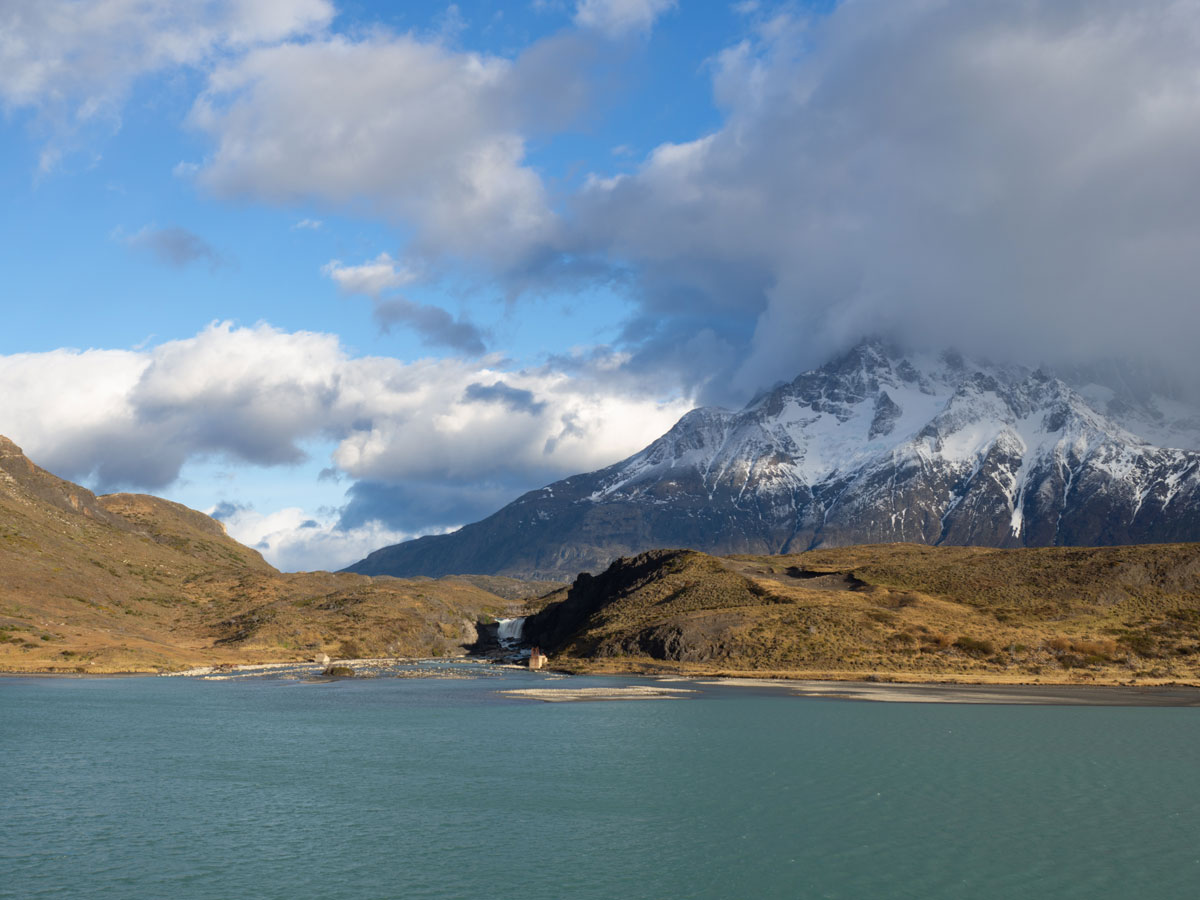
134 583
1060 615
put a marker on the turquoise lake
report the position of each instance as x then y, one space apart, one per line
131 788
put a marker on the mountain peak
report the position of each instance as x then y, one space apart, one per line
874 446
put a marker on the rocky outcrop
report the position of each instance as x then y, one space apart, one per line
1109 612
27 484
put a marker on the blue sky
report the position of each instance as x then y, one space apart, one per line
117 180
347 272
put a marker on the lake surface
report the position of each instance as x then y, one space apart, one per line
136 788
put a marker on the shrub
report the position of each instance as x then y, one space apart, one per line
974 647
1105 649
1140 643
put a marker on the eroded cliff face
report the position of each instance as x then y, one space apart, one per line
30 487
874 447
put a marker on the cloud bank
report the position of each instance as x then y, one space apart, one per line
434 430
1020 181
293 541
1015 180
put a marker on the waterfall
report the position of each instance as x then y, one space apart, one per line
508 632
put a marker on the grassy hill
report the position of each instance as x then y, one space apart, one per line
893 611
129 582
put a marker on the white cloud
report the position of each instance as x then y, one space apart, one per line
1019 181
432 428
433 443
308 224
88 402
75 62
370 278
404 128
292 540
132 418
617 18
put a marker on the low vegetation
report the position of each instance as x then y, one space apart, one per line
128 582
900 611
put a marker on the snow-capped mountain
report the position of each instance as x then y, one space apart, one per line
873 447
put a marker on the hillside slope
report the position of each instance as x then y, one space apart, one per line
132 582
904 611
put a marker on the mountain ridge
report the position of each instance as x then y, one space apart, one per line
874 447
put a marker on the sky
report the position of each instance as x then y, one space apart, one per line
344 273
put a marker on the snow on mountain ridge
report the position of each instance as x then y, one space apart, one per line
875 446
874 416
795 435
811 430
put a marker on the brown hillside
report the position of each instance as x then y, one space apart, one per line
898 610
132 582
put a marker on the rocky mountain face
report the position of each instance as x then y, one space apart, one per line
874 447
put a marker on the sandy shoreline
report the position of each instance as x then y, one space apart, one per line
1007 694
696 685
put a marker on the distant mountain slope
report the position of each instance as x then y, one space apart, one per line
873 447
132 582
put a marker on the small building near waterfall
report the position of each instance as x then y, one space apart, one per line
537 658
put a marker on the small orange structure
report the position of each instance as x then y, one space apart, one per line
537 658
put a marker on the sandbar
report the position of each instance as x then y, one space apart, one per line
628 692
1010 694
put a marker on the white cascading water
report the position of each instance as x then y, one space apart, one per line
508 632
